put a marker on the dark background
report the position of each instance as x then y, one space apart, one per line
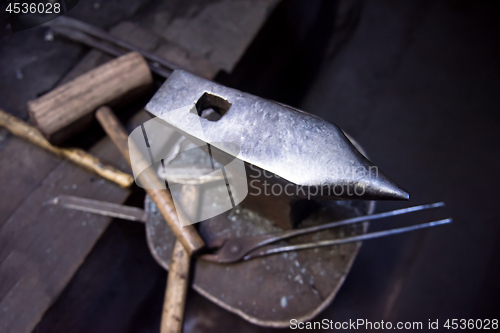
416 83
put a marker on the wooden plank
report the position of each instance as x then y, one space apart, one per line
228 26
153 43
22 167
66 110
43 246
30 165
40 66
167 50
218 31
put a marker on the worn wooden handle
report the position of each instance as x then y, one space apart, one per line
69 108
23 130
187 235
176 291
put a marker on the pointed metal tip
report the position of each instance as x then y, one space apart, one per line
394 192
385 189
53 201
402 195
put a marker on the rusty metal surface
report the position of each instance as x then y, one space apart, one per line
271 290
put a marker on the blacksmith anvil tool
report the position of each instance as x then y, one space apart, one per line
305 155
295 154
285 283
298 147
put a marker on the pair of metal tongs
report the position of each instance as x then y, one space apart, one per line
248 247
230 250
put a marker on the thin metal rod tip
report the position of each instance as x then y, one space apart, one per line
362 237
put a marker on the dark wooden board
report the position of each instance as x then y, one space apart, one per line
219 31
31 275
42 246
22 168
151 42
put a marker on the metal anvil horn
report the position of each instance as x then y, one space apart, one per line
297 147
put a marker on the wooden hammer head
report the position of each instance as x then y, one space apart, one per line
69 108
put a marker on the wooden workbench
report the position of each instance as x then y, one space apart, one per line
42 246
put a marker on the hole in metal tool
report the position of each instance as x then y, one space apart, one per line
212 107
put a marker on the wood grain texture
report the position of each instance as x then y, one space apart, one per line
175 294
42 246
31 275
147 40
77 156
114 129
68 108
219 31
170 51
23 168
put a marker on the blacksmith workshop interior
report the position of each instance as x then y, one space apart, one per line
249 166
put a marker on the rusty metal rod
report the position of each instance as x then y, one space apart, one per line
91 163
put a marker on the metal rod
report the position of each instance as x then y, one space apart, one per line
226 252
100 207
98 33
358 238
89 41
298 232
81 158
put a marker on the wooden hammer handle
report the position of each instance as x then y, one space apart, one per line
25 131
176 291
187 235
114 129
